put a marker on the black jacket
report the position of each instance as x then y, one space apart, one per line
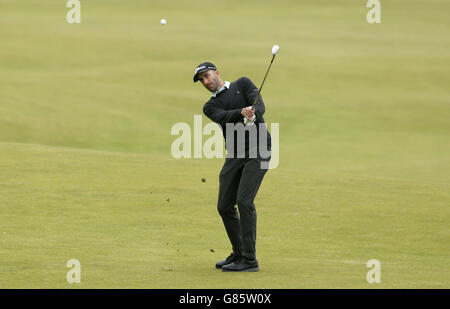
226 108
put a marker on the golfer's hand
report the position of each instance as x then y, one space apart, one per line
248 112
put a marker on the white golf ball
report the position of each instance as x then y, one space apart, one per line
163 21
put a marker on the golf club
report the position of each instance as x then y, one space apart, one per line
275 50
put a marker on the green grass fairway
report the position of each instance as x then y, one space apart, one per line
86 172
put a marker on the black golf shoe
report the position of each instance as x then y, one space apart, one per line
230 259
242 265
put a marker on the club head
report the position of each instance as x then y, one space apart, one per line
275 49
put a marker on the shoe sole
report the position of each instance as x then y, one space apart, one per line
220 267
241 271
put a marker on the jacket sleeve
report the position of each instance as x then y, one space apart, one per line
250 91
222 116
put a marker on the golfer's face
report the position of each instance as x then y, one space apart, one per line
210 79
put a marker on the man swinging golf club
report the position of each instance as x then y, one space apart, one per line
238 105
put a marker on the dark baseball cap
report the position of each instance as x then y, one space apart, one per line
203 67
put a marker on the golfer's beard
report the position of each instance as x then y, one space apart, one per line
214 88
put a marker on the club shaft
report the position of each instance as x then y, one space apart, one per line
262 84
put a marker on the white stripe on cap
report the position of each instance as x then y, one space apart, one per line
198 69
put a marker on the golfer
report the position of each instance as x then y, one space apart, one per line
244 169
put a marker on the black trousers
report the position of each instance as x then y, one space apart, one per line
240 179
